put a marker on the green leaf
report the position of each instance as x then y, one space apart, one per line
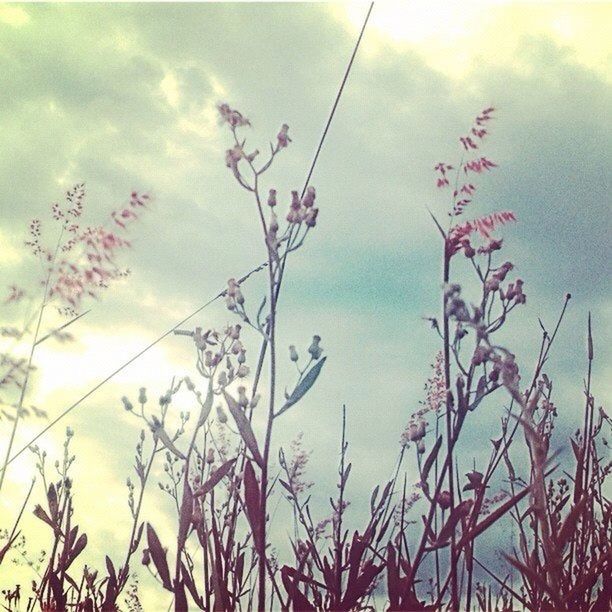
304 386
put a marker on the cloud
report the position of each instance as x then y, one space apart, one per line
108 95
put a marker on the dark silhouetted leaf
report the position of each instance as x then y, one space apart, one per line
215 478
244 427
158 554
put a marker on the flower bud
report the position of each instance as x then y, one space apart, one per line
444 500
295 201
315 350
243 400
142 396
293 354
127 404
242 371
311 217
210 456
221 416
309 197
272 198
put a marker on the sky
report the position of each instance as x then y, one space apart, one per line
122 97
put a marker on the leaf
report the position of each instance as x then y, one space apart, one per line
185 516
533 576
53 504
160 434
303 387
569 523
244 427
252 503
180 599
207 405
456 515
430 459
158 554
137 538
297 598
188 582
58 591
77 549
43 516
215 478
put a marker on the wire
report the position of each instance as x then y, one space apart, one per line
222 292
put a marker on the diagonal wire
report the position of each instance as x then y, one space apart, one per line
219 295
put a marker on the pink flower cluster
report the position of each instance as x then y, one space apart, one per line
303 210
88 261
462 195
459 236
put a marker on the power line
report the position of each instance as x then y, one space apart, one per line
222 292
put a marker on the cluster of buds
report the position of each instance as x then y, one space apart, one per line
234 299
514 292
303 210
493 283
462 196
415 432
504 365
88 256
456 308
458 237
214 347
315 350
231 116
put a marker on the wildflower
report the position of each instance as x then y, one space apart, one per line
221 416
127 404
315 350
293 354
272 198
481 355
243 400
309 197
311 217
232 116
282 137
444 500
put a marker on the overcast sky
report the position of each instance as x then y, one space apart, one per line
123 97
